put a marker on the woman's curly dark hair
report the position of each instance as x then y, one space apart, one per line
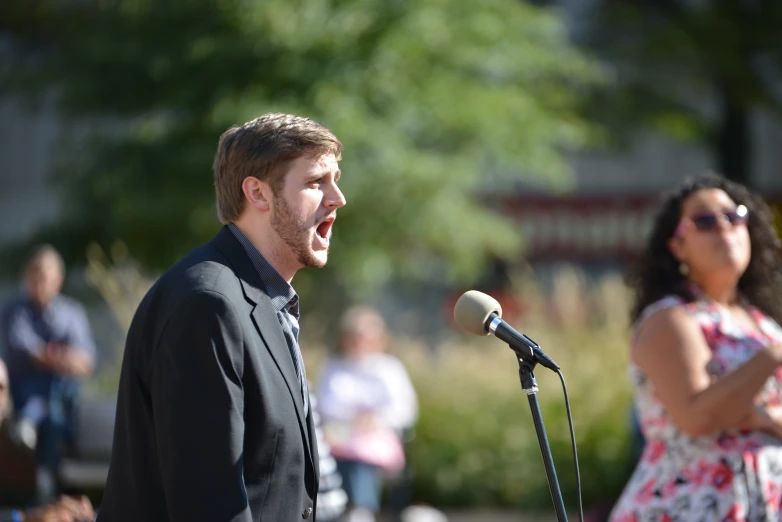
656 273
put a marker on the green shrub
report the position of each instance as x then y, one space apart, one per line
475 441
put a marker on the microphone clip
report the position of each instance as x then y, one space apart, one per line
525 348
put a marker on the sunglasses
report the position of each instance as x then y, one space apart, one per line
709 220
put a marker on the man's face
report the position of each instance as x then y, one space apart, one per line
366 335
43 280
306 207
3 390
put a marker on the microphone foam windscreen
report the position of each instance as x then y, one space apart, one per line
473 309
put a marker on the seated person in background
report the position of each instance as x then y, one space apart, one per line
366 402
66 509
49 347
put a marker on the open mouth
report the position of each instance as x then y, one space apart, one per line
323 230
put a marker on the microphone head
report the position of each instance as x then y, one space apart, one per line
473 309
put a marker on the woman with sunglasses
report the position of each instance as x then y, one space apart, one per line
706 353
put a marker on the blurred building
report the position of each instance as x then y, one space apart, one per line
27 197
603 218
31 198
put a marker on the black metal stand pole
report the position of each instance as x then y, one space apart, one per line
530 387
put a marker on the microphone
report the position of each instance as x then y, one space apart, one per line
480 314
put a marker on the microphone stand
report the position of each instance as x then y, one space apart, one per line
530 386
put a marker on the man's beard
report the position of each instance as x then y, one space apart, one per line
294 232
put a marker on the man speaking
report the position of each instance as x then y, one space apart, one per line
213 415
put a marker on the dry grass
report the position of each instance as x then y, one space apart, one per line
122 284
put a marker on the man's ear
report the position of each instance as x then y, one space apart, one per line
258 193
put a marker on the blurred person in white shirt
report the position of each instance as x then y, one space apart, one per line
366 402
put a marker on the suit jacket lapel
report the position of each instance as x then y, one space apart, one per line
314 445
264 316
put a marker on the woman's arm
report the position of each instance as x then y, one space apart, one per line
671 351
767 419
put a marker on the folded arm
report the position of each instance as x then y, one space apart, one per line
673 354
75 357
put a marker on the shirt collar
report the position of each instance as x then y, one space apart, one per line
281 293
53 304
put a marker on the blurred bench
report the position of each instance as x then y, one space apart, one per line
87 465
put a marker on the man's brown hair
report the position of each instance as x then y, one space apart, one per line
262 148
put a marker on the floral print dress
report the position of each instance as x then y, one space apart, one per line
727 476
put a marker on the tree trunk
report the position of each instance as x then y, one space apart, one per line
733 141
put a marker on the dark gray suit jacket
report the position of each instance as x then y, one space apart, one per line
210 420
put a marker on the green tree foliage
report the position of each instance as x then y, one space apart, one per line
694 69
427 96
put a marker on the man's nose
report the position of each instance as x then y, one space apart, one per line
335 198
